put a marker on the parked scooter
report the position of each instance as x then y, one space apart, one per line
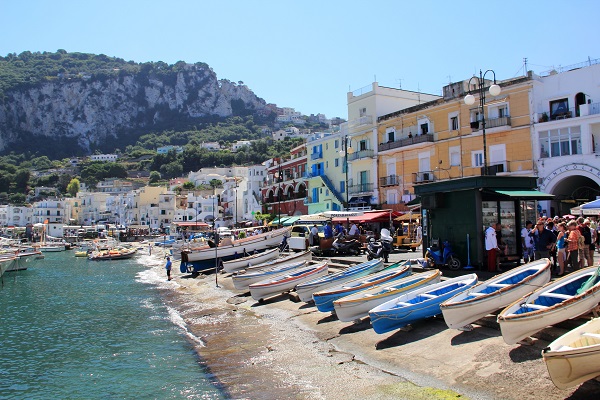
346 247
441 257
380 248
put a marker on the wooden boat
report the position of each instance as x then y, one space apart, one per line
113 254
243 281
495 293
324 299
417 304
245 262
292 258
554 302
357 305
306 290
574 357
203 258
283 283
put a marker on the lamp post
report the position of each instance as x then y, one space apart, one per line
470 100
346 149
278 177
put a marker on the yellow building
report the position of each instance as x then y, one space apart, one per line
444 139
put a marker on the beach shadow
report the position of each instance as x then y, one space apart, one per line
307 305
363 325
587 390
271 300
465 337
525 353
330 318
420 330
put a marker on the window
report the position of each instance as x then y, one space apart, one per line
560 142
424 129
342 186
336 144
363 112
454 123
559 108
477 158
454 155
391 134
163 212
337 162
362 145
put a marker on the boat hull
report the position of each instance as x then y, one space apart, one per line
272 287
245 262
495 293
243 281
356 306
548 305
574 357
306 290
417 304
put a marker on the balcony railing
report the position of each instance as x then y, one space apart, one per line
423 177
361 154
491 123
364 120
316 156
360 188
406 142
390 180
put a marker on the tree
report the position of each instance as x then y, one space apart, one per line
154 177
17 199
189 185
73 187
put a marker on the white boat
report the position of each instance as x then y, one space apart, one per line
294 257
357 305
574 357
552 303
245 262
196 260
5 262
495 293
51 247
243 281
306 290
283 283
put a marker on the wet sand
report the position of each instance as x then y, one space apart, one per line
282 349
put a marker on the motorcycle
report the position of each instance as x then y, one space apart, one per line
441 257
346 247
380 248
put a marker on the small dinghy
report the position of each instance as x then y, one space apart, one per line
306 290
292 258
574 357
495 293
568 297
417 304
245 262
324 299
357 305
284 283
244 280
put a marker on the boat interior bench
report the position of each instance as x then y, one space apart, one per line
536 306
428 296
498 285
557 296
590 334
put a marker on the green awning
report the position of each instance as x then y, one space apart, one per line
525 194
278 221
415 201
290 221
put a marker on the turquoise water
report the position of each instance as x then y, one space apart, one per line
73 329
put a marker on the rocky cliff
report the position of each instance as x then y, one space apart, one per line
89 111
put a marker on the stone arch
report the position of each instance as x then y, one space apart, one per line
571 185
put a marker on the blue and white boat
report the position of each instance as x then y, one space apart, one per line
306 290
417 304
283 283
324 299
243 280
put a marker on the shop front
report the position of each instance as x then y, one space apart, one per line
460 210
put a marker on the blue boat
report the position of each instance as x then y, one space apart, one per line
306 290
324 299
417 304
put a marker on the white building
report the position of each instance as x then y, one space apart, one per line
566 135
15 216
239 144
213 146
166 149
288 132
104 157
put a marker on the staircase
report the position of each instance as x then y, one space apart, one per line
332 189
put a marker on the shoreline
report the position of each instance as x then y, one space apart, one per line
282 349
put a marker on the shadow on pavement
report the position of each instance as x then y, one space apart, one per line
420 330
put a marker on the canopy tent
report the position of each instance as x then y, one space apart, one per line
408 217
290 221
591 208
278 221
523 194
342 214
188 223
371 217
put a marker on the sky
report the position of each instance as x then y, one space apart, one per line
309 54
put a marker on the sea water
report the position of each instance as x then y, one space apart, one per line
71 328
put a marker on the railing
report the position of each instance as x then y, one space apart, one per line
390 180
406 142
332 188
360 188
316 156
491 123
594 108
423 177
361 154
364 120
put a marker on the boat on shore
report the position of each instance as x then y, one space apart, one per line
417 304
244 280
203 258
248 261
495 293
355 306
570 296
306 290
286 282
5 262
292 258
324 299
574 357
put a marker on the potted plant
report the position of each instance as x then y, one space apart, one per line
544 117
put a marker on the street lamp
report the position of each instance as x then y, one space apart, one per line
470 100
278 176
346 149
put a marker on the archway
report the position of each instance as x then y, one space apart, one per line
572 191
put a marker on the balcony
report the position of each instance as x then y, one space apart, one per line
360 188
316 156
390 180
423 177
491 123
361 154
362 121
406 142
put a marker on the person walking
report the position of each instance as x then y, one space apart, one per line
543 241
573 245
491 246
168 268
586 232
561 248
527 242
